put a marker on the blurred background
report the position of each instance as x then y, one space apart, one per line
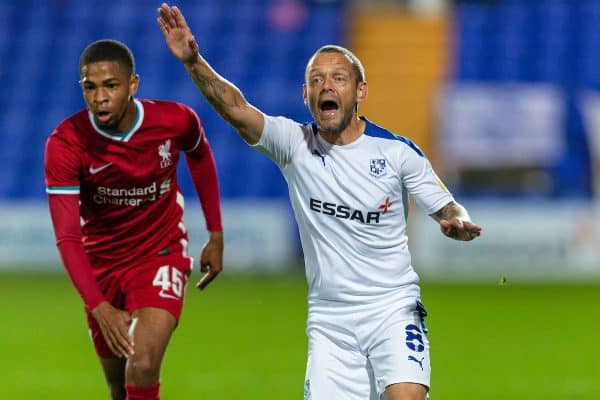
502 95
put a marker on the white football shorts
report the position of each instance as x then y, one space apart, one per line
356 351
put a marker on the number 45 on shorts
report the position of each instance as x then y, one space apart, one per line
171 282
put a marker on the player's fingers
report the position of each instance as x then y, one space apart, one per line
179 18
472 227
121 350
162 27
172 14
126 330
123 341
206 279
475 232
212 259
113 344
162 14
469 234
472 230
202 283
165 13
119 334
204 267
109 342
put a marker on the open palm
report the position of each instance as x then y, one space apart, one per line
177 33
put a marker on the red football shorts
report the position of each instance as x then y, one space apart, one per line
156 282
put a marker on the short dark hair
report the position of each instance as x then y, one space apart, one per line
108 50
332 48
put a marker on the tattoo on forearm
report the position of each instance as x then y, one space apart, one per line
450 210
215 90
203 82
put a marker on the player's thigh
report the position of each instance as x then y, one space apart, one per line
154 293
400 354
336 370
151 330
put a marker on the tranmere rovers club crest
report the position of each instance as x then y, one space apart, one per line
377 167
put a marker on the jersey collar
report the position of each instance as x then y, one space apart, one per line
315 130
125 136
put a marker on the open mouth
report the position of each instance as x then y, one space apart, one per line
328 107
103 116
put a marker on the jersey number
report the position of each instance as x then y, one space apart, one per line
170 280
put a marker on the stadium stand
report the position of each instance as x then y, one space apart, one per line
554 42
260 45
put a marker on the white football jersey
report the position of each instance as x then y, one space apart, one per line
351 205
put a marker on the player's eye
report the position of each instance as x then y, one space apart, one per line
112 85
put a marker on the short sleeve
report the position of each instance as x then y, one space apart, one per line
421 181
62 167
279 138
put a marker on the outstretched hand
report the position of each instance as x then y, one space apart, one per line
458 229
211 259
178 34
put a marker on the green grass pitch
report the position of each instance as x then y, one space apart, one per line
243 338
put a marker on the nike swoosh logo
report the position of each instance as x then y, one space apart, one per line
167 296
94 171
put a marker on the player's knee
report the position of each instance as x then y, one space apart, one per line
142 371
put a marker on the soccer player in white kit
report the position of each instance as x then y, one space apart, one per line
349 182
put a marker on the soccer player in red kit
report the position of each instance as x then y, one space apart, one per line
117 214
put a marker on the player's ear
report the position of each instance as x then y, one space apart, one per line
304 95
361 92
133 84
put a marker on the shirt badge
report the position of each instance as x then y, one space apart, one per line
377 167
164 151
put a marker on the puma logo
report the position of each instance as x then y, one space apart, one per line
94 171
411 358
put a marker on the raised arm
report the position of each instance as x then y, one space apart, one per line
455 222
225 97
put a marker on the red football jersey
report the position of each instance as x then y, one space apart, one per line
130 202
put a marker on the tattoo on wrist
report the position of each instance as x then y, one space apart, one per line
449 211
